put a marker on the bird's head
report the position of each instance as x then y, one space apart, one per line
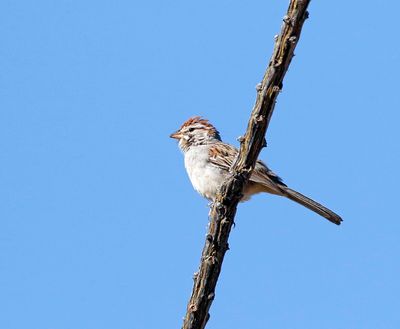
196 131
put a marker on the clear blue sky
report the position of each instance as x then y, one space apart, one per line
99 225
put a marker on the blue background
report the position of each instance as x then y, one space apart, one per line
99 225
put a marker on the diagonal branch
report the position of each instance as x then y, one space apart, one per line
224 207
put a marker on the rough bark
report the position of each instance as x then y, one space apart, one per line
224 207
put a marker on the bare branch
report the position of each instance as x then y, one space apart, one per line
224 207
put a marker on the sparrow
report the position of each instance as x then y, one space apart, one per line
208 161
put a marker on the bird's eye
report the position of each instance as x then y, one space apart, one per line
191 129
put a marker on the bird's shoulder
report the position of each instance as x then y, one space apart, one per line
222 154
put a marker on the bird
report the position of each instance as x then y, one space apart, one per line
208 161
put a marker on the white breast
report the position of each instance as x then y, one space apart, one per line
205 177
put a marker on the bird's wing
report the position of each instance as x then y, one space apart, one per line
263 175
223 155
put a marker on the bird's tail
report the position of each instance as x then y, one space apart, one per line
311 204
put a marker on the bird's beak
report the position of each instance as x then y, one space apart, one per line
176 135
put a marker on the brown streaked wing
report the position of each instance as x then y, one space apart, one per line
222 155
262 174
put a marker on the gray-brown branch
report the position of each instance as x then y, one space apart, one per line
223 211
